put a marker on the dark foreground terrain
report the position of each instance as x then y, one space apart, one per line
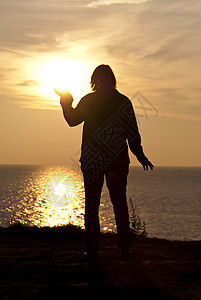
47 263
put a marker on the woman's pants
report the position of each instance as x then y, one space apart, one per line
116 180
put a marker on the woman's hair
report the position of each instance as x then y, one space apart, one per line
103 77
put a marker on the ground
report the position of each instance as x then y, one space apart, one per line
48 264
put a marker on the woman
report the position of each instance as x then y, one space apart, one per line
109 123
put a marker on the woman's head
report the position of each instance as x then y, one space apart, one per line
103 78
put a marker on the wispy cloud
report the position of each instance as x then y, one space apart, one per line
97 3
156 44
32 82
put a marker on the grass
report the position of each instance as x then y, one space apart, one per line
138 227
72 232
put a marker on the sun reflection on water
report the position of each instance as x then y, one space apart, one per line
60 190
48 196
63 199
53 196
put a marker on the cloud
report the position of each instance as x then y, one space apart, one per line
32 82
97 3
151 45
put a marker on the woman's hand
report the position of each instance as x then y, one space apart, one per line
61 93
145 163
66 97
148 165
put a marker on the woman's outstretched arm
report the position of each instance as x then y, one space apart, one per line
73 116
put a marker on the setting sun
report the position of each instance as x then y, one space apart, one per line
64 74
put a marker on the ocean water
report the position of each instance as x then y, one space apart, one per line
167 199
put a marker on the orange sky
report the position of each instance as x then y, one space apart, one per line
153 48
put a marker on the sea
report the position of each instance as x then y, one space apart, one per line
167 199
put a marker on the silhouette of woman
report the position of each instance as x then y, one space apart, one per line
109 123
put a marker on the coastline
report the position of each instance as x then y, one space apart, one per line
47 263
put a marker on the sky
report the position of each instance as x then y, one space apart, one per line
153 47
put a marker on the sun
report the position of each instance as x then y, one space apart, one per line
64 74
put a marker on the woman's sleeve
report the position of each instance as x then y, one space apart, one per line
133 135
73 116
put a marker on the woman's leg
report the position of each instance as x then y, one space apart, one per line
92 202
116 179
